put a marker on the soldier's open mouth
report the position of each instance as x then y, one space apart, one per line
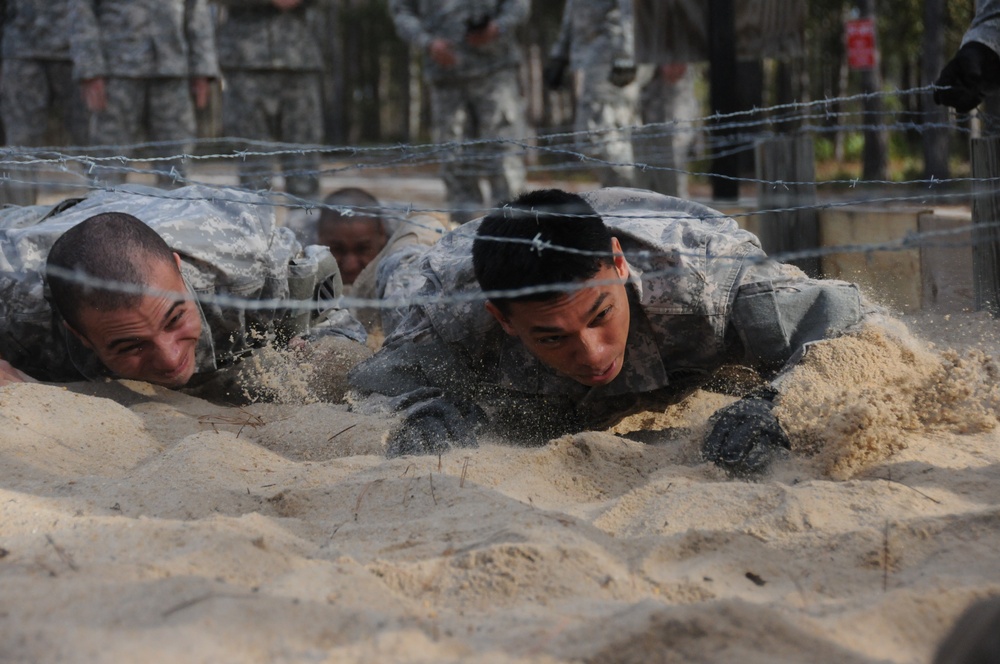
605 376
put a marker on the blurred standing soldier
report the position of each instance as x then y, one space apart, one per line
37 76
596 43
472 70
668 103
143 65
271 60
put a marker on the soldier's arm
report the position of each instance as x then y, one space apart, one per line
985 26
9 374
512 14
974 71
200 33
409 23
85 41
624 36
554 72
776 320
560 49
419 379
280 4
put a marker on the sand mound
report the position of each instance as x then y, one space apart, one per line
139 524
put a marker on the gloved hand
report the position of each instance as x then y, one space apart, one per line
745 437
554 71
431 423
974 71
622 72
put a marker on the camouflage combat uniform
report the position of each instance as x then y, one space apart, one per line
595 34
228 243
37 76
669 112
272 62
479 98
985 26
701 292
147 52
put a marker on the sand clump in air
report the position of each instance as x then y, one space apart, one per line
852 401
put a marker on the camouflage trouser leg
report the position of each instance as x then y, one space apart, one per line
161 108
489 108
29 90
276 106
671 109
606 113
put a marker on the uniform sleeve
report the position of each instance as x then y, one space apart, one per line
777 319
409 24
200 32
512 14
85 41
624 33
246 3
985 26
561 47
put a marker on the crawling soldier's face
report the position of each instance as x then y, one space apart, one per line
354 243
582 334
154 341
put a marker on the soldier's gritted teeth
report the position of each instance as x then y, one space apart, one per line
583 334
153 341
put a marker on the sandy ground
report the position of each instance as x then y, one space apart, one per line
139 524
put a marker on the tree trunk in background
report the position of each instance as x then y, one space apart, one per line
876 150
722 77
935 139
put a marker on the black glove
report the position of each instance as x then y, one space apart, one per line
431 423
745 437
622 73
554 71
974 71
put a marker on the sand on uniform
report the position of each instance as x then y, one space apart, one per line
139 524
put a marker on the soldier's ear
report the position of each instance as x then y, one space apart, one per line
501 318
621 266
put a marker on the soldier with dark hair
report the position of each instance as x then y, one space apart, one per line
597 306
353 228
134 281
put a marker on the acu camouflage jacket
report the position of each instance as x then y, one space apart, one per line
686 263
229 245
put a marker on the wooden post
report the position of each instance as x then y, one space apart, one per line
722 86
985 217
875 154
793 225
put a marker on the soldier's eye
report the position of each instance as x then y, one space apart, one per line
603 314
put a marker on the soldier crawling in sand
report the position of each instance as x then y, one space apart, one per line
596 307
176 250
